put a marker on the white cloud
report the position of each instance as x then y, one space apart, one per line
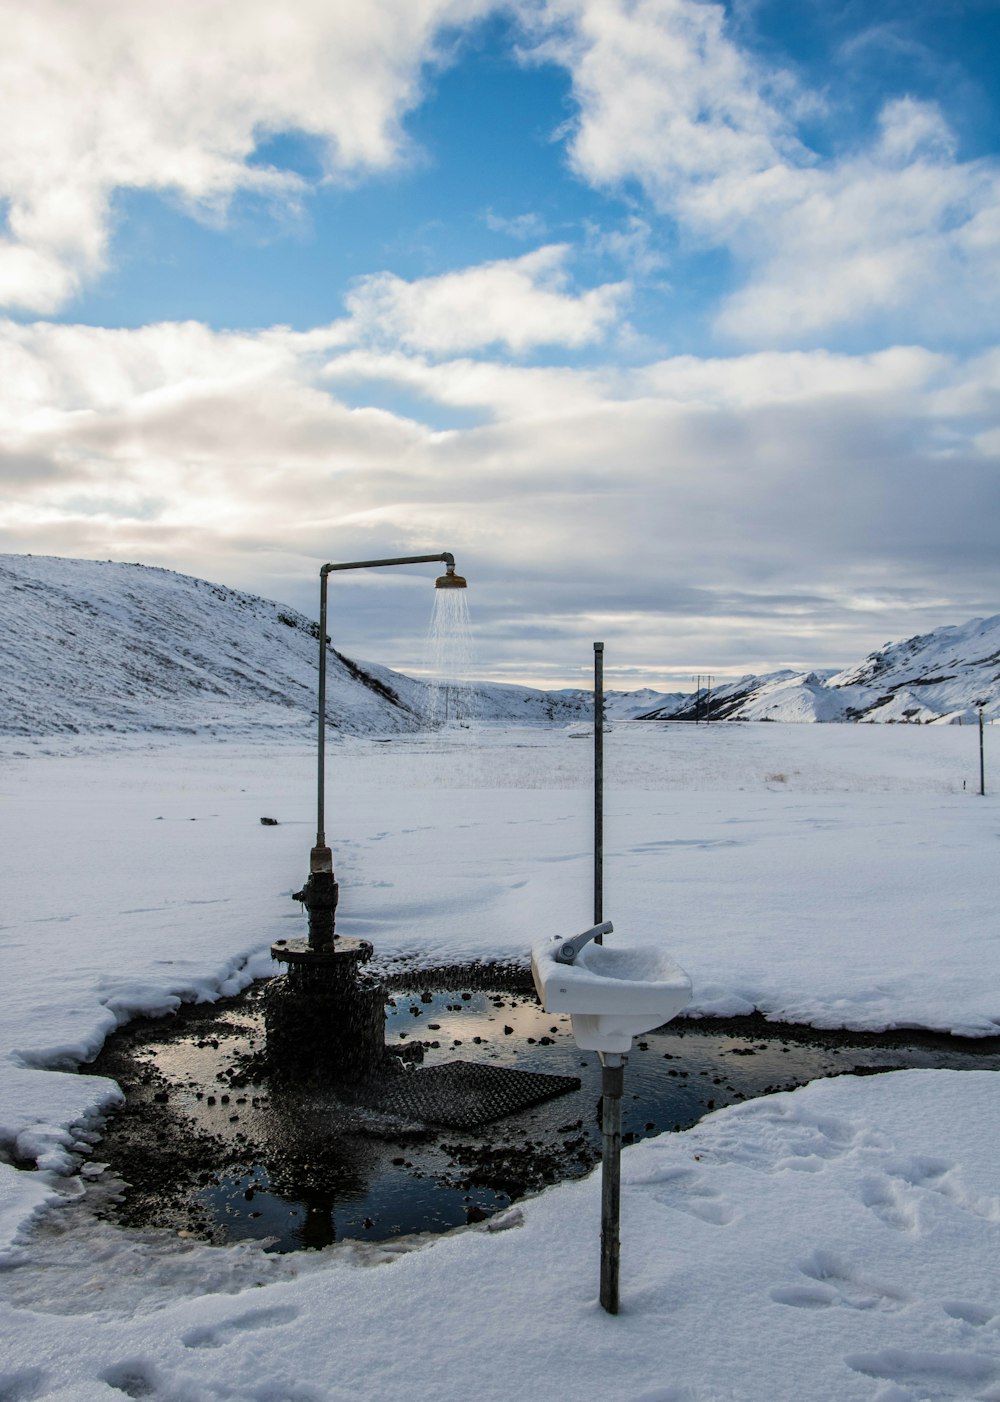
516 303
100 95
529 227
752 501
499 391
897 229
664 96
902 229
632 245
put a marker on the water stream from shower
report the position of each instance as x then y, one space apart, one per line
450 695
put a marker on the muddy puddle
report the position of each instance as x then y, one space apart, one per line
213 1147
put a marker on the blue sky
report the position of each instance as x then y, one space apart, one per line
675 321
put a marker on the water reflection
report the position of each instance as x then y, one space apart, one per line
305 1168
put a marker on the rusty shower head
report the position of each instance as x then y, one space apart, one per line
450 580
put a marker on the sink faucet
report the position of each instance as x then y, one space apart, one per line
569 949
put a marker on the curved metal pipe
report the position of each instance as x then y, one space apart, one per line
321 859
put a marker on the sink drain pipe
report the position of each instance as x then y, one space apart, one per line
612 1089
612 1086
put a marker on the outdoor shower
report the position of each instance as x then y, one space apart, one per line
326 1020
320 893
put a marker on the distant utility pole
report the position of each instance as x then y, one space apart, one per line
982 760
703 680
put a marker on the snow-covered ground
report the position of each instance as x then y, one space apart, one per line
837 1242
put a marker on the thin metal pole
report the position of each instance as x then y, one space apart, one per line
444 556
599 787
982 760
612 1086
321 737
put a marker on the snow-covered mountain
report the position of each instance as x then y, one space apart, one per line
625 705
934 678
89 646
942 675
785 695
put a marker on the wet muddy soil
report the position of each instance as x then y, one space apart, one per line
212 1145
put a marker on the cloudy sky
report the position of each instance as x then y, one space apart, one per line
677 322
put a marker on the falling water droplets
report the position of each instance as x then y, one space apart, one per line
450 694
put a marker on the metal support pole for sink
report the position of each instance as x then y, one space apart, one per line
598 786
612 1086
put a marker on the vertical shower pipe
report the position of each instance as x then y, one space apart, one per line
321 858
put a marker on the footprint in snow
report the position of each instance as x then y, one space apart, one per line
134 1377
684 1189
940 1177
937 1377
890 1203
216 1335
896 1196
969 1313
23 1386
280 1390
831 1282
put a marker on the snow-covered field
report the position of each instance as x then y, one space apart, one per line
836 1242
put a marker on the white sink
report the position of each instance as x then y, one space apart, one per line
612 994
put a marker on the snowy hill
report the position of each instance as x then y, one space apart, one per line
94 646
785 695
89 646
934 678
942 675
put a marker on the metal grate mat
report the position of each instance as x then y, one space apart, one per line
461 1094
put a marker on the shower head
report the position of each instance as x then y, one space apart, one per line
450 580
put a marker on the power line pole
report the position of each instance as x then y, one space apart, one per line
703 697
